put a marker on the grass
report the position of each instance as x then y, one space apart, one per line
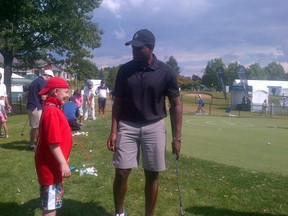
218 175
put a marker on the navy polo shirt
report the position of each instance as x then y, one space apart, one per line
143 90
33 99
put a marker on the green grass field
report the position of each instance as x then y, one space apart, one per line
227 168
258 144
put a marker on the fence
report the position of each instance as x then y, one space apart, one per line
213 106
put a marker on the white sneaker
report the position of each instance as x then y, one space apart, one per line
7 136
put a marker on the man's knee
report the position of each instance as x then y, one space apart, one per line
122 174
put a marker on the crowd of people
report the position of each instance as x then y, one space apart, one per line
138 113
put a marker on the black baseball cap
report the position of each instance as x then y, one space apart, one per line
141 38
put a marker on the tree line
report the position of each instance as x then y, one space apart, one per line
273 71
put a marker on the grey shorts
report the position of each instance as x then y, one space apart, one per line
34 118
147 140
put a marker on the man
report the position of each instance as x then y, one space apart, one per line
3 102
89 101
102 92
34 105
137 120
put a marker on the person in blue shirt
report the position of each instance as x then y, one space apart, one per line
72 112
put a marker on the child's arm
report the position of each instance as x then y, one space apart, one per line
57 153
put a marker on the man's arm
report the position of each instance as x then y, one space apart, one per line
7 103
176 124
114 125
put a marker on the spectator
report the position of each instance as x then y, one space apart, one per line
34 105
71 111
102 91
77 98
54 147
3 103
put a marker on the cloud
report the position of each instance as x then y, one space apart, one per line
195 32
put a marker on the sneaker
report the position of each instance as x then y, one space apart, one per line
6 136
122 214
32 147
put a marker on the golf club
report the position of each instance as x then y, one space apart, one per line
182 212
179 193
22 132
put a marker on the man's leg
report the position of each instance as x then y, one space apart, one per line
34 132
151 192
120 187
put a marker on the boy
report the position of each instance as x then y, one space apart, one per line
54 146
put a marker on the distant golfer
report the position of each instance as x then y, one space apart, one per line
264 108
138 120
200 104
89 101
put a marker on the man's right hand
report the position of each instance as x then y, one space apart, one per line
111 142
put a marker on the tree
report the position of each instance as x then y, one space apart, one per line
256 72
275 71
185 83
36 29
174 65
210 78
196 82
85 69
231 73
112 73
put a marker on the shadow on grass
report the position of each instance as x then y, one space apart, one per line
211 211
70 208
21 145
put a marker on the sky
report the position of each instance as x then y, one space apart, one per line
196 31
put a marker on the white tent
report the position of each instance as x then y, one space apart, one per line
258 91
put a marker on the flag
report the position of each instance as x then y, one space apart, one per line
241 71
221 77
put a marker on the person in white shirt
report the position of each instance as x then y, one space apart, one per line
102 91
3 102
88 101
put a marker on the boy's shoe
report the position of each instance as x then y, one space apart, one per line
122 214
7 136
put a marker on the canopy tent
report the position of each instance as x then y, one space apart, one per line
258 91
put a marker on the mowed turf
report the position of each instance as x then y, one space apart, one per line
257 144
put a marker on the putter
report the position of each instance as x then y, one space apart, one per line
22 132
179 193
182 212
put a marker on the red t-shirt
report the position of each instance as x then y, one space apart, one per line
54 129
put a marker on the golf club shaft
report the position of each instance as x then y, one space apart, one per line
24 126
178 187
